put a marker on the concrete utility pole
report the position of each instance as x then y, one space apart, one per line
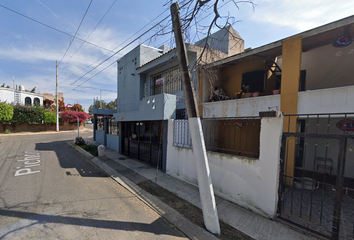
206 191
56 94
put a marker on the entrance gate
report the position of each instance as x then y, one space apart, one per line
143 141
316 188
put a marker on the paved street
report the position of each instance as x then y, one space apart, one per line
49 191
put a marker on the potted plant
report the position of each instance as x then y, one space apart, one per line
255 93
238 95
276 91
247 91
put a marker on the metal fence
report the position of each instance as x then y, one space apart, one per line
181 135
316 189
235 136
113 127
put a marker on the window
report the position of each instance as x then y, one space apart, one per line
36 102
158 84
169 81
113 127
28 101
255 80
302 86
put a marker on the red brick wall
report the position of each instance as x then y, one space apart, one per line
37 127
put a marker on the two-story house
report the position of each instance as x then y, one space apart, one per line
150 92
310 181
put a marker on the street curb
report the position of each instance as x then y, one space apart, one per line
191 230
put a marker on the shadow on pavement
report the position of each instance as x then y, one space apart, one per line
159 226
69 158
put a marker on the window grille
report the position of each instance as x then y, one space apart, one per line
113 127
169 81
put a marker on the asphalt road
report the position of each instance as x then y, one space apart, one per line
49 191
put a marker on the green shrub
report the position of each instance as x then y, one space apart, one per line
6 112
28 114
50 117
91 148
7 131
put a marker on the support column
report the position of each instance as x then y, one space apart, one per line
291 66
94 126
105 128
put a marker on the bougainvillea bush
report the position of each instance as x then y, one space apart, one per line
71 116
28 114
6 112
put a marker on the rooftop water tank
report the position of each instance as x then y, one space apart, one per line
21 88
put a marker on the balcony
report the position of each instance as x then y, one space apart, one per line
330 100
244 107
152 108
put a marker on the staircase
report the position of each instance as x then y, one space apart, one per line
17 97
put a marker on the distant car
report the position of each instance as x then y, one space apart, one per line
88 121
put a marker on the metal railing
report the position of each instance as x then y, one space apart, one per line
316 189
113 127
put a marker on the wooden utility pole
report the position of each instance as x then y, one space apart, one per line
56 94
206 191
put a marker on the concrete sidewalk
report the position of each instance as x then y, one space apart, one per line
129 172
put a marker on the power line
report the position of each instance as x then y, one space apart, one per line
72 40
53 28
107 90
121 49
91 32
97 73
118 52
124 41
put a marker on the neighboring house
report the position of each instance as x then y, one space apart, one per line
23 97
288 155
49 99
20 96
150 92
309 181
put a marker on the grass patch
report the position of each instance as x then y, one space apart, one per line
7 131
189 211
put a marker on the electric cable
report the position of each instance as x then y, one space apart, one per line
91 33
124 41
122 48
72 40
53 28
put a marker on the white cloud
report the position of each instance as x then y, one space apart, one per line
301 14
50 10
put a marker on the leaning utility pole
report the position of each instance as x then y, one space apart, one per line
206 191
56 94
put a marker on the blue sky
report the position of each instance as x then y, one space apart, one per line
28 50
